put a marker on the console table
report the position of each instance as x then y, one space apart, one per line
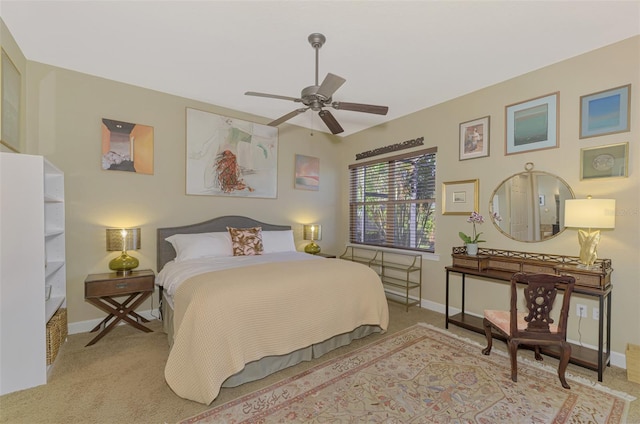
499 265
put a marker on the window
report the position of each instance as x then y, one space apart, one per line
392 201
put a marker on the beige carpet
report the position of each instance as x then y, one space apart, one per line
120 379
423 375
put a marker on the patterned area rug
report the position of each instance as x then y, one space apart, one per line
423 375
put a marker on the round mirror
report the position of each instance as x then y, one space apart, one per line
531 205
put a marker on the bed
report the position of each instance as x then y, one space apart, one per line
232 319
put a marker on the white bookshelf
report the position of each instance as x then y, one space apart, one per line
32 252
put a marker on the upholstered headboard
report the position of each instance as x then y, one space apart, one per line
167 253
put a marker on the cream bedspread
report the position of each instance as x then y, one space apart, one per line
226 319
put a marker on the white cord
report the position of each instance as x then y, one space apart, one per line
579 333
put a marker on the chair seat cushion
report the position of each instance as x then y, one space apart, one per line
502 319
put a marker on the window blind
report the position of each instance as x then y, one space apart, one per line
392 201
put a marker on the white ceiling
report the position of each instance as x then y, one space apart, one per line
407 55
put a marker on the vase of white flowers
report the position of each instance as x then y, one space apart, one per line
472 241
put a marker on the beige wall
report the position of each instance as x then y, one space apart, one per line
12 50
613 66
64 115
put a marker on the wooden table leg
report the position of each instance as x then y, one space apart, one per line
104 322
119 312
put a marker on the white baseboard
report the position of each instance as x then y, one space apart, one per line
617 359
86 326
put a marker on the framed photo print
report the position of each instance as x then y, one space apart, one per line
605 112
604 161
532 125
460 197
127 147
474 138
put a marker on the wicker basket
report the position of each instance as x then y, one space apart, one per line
633 363
56 334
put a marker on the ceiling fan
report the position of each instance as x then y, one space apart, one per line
317 97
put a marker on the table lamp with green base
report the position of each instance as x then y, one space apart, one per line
123 239
312 232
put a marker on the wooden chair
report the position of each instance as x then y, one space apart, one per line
534 327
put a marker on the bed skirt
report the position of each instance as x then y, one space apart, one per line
268 365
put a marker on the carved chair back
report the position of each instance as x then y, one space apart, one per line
539 297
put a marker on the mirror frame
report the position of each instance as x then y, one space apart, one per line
528 170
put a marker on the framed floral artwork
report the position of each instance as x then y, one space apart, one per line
230 157
474 138
605 112
532 125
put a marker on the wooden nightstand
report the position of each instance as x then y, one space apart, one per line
100 290
325 255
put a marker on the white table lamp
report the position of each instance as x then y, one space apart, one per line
594 215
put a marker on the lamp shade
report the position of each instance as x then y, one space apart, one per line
312 232
123 239
590 213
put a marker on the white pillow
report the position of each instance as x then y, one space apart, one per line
278 241
202 245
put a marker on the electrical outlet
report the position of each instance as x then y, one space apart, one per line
596 313
581 310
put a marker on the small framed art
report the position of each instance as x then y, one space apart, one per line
604 162
460 197
605 112
127 147
307 173
532 125
474 138
541 200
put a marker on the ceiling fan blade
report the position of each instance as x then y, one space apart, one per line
330 84
330 121
272 96
287 117
358 107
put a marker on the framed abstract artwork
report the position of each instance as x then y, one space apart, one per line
230 157
605 112
604 161
10 105
532 125
127 147
474 138
307 173
460 197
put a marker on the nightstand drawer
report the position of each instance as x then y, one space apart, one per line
99 287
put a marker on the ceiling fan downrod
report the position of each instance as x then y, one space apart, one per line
317 40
